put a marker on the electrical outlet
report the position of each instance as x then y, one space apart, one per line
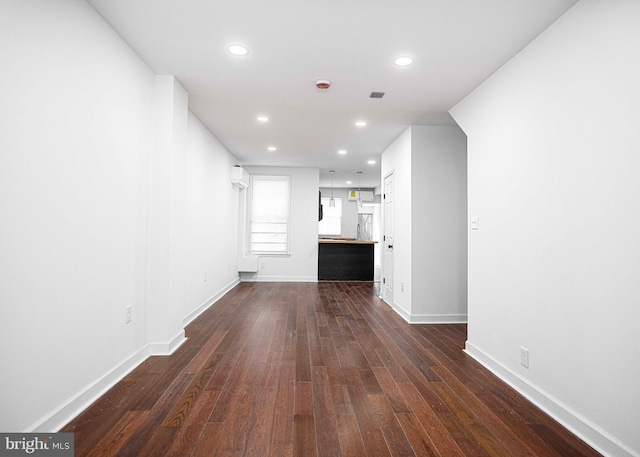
475 223
524 357
129 312
263 266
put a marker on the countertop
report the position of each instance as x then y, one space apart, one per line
344 241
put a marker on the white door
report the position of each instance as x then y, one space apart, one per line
387 240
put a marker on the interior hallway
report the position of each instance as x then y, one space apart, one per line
326 369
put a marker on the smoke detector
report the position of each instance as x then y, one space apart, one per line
323 85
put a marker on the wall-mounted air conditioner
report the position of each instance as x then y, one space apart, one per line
239 177
367 195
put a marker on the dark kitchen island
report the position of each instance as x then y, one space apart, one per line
345 260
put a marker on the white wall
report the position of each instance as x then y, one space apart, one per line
211 221
429 246
439 220
302 263
75 136
396 159
165 248
91 195
553 176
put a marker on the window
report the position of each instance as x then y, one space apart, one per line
269 215
331 223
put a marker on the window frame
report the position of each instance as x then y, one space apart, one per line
250 216
326 209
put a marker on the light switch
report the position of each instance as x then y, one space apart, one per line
474 223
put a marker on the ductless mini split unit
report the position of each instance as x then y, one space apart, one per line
365 195
239 177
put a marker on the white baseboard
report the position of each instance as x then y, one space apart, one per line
428 318
438 319
78 403
577 424
204 306
75 405
72 408
167 347
401 312
258 278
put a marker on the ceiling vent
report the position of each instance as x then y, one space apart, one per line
376 95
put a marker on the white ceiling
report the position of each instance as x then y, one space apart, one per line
456 44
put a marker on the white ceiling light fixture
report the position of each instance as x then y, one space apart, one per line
403 61
271 148
342 152
238 50
371 162
263 118
361 123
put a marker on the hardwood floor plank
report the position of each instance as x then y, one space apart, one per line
230 390
189 434
472 424
350 439
113 440
282 434
512 442
369 344
316 369
281 450
559 443
204 354
435 429
341 400
327 439
187 402
159 442
304 398
235 429
271 374
260 425
105 413
372 435
391 390
147 428
419 439
304 436
394 435
303 359
209 441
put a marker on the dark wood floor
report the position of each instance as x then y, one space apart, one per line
322 369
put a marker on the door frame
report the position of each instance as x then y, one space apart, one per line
386 288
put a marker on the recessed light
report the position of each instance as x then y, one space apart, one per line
403 61
271 148
238 50
263 118
360 123
349 182
371 162
342 151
